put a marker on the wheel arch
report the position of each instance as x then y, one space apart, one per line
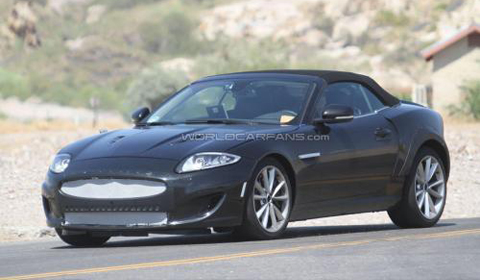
426 136
441 150
288 168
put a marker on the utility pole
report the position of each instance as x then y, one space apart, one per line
94 102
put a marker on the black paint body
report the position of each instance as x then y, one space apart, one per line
359 169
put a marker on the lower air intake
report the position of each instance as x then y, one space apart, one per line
130 219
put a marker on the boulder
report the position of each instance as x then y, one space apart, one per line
21 23
314 38
350 27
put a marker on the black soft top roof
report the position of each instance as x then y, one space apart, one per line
329 76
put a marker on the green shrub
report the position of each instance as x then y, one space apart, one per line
471 102
154 85
440 6
12 84
236 56
2 116
403 96
67 92
171 35
386 17
324 23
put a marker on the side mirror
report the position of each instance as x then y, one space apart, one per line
335 113
140 114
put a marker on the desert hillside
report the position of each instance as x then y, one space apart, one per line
67 51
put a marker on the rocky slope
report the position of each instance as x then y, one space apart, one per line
382 37
100 46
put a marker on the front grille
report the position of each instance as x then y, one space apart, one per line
112 188
110 208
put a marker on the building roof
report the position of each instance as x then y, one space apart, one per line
329 76
432 50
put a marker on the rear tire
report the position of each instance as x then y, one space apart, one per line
82 240
268 203
425 192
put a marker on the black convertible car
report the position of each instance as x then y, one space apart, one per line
249 152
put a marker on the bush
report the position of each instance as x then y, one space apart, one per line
471 102
12 84
324 23
65 92
386 17
237 56
154 85
405 96
172 34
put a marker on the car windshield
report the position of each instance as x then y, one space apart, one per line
235 101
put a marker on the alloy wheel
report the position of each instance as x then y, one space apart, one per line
271 198
429 187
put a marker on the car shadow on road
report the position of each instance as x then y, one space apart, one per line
306 231
292 232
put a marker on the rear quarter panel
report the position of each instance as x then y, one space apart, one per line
415 125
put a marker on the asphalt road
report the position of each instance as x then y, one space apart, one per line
451 250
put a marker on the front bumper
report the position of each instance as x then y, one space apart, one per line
196 200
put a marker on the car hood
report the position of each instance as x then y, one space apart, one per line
169 142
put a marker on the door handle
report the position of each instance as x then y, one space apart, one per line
382 132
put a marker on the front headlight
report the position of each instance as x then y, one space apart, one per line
203 161
60 163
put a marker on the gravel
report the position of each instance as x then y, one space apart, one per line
25 156
24 159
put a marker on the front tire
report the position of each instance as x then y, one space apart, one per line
425 192
82 240
269 202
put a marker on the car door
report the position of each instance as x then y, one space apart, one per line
353 167
375 138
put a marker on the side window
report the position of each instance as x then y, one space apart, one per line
373 102
351 94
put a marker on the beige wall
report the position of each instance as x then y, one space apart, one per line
451 68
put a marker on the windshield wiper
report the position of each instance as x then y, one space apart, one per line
218 121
